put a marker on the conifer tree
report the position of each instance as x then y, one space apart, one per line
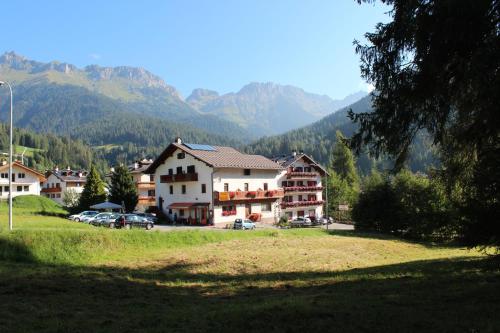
343 162
93 191
122 189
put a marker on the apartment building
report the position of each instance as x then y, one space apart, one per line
64 181
24 180
204 184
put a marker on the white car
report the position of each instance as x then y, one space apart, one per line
302 221
79 217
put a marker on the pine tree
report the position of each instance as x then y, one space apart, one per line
123 189
343 162
93 191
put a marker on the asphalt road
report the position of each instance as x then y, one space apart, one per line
333 226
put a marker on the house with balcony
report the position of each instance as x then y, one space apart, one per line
301 181
202 184
145 185
24 180
64 181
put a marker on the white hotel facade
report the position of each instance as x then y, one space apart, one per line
201 184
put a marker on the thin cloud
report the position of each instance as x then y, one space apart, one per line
95 56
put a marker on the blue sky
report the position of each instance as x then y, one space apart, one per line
218 45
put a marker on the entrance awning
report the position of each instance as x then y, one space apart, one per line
187 204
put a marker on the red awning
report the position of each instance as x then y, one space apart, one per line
187 204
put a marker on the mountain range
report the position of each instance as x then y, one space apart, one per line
257 109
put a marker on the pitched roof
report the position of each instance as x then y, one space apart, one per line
288 160
40 176
219 157
68 178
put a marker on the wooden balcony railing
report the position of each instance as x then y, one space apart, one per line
146 185
147 198
303 188
183 177
51 190
301 174
248 195
301 203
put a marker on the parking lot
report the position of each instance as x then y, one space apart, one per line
333 226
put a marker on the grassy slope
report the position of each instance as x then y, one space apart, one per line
83 279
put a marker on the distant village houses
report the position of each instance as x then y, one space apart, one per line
61 182
24 180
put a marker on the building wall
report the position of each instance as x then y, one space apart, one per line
236 179
193 189
143 192
308 210
30 180
53 181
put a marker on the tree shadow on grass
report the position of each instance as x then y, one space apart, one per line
459 294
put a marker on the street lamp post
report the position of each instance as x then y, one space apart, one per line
10 156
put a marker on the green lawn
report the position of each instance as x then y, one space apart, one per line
61 276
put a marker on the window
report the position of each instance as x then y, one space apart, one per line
5 175
26 188
228 210
58 185
181 212
19 188
203 188
289 215
21 175
181 156
170 172
58 195
265 186
245 186
300 213
307 169
300 183
226 187
78 184
151 193
246 172
300 197
6 188
179 170
190 169
284 183
170 211
52 195
312 213
266 207
151 178
171 188
183 189
288 198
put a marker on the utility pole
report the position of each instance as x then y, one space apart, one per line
10 155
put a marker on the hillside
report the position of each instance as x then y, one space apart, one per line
267 108
319 138
55 97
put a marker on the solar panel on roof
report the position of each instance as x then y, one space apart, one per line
195 146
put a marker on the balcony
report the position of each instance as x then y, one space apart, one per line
147 199
182 177
301 174
248 195
51 190
303 188
146 185
301 203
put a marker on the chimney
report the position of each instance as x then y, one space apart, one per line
294 153
136 165
56 169
79 174
112 169
4 162
68 168
178 140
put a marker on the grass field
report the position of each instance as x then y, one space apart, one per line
61 276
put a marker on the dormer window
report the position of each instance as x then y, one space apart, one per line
181 156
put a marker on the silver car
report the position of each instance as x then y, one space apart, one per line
301 222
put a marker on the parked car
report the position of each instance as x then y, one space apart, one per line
96 219
326 220
300 222
243 224
149 216
80 216
110 221
128 221
87 218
